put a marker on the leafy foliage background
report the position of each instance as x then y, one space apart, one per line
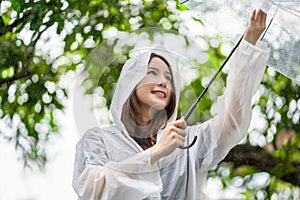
32 90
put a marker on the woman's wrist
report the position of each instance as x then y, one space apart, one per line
155 154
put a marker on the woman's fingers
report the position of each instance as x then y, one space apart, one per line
258 17
253 16
264 19
175 134
177 140
256 27
177 130
179 124
178 135
261 19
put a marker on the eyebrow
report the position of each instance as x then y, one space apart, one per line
156 69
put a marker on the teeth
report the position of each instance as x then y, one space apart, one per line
160 93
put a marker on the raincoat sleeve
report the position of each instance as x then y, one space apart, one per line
96 177
233 109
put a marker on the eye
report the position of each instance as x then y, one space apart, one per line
152 72
168 78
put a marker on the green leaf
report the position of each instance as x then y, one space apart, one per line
16 5
35 24
182 7
2 24
198 20
60 26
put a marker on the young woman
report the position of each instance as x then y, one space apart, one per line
138 157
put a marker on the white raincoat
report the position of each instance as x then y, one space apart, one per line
110 165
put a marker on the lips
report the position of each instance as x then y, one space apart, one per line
160 93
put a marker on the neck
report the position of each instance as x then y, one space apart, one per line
147 114
144 119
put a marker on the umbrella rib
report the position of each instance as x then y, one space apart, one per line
266 29
184 1
291 1
289 10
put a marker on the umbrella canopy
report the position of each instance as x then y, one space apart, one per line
230 18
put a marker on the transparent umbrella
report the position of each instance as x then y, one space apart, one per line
230 18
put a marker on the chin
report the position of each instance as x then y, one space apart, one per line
158 107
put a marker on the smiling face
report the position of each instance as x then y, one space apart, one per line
154 90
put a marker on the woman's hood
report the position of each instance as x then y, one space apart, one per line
132 73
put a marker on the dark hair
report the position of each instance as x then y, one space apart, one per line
154 55
131 114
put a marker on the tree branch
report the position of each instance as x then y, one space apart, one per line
30 54
9 28
260 159
25 68
12 79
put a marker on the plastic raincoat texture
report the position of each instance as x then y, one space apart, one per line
110 165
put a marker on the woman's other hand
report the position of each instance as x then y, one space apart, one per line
256 26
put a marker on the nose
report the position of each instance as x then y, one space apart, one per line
162 84
162 81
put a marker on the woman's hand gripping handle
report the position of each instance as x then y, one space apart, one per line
173 137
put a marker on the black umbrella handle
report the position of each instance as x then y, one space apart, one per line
190 145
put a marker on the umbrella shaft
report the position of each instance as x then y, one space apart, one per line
266 29
192 108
